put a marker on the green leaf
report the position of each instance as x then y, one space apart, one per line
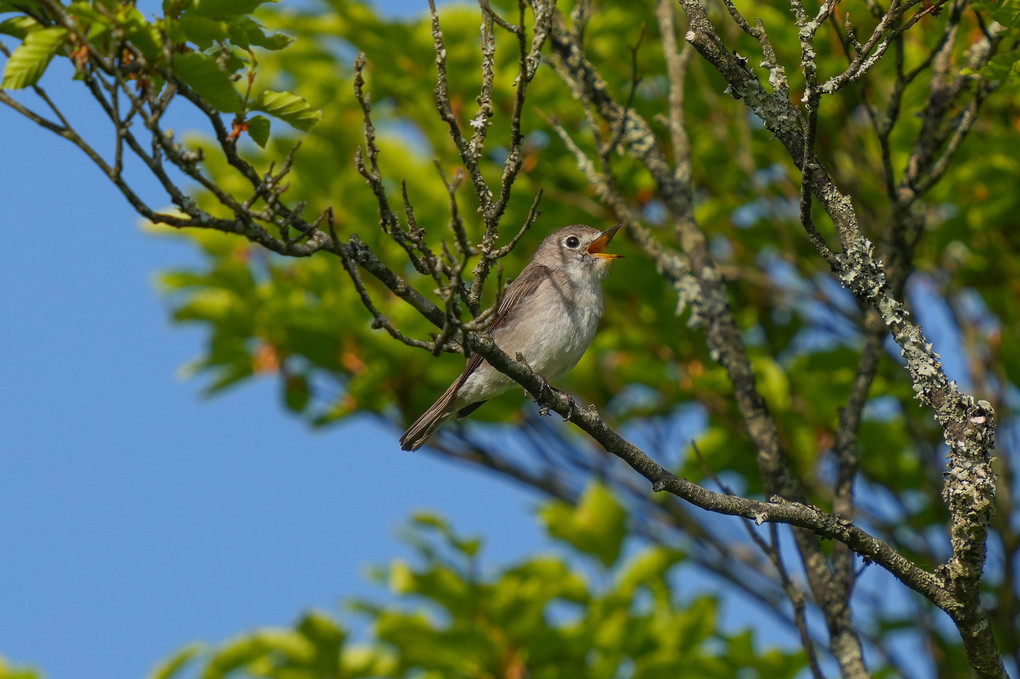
203 74
430 520
258 130
174 8
694 625
773 383
20 6
599 513
225 8
290 108
19 26
143 35
253 648
171 667
245 31
401 577
321 628
427 520
33 55
596 526
647 568
1006 12
1000 67
202 31
20 672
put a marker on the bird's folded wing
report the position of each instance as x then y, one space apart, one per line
523 286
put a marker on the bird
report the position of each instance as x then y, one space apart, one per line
548 315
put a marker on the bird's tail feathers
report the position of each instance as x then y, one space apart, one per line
431 420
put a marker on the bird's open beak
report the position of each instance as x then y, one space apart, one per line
598 246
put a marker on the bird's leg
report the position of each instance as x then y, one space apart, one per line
545 391
543 409
570 408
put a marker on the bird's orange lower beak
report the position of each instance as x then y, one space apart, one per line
598 246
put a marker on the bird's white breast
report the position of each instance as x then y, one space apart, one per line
552 329
562 316
565 332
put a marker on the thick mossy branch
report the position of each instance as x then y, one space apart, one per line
968 425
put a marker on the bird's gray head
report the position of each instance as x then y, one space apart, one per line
579 250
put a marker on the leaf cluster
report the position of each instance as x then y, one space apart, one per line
206 46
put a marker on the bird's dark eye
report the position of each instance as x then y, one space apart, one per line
573 242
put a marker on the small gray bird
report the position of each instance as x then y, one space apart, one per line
548 315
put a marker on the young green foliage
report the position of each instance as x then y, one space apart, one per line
207 45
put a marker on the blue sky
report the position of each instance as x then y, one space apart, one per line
136 516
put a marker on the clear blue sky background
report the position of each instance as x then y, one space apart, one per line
135 516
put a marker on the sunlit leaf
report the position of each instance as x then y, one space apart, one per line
203 74
288 107
203 31
597 526
225 8
245 31
146 37
258 130
29 61
18 26
175 665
